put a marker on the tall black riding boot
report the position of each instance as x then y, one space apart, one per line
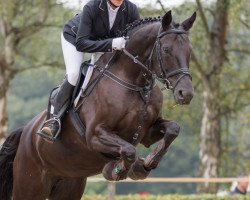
60 103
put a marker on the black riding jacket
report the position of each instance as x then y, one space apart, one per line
89 31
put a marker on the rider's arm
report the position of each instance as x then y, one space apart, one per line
84 40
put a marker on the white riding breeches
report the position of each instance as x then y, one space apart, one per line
73 60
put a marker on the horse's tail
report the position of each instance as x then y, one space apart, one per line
7 155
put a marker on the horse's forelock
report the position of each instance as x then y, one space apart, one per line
176 25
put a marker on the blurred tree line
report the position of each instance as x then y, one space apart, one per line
214 127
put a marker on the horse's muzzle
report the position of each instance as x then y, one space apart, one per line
183 96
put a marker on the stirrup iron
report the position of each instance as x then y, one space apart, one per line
46 136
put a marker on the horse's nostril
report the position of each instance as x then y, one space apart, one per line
184 96
180 94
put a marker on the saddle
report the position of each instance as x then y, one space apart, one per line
67 108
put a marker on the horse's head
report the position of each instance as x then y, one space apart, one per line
171 57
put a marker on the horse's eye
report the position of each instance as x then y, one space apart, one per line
167 50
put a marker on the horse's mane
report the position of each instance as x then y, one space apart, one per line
132 27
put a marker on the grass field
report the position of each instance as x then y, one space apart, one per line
169 197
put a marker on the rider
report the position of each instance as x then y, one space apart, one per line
93 30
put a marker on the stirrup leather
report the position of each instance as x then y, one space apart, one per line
46 136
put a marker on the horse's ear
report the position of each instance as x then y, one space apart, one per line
166 20
188 23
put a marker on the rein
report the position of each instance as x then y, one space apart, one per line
164 76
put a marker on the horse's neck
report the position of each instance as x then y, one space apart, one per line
141 44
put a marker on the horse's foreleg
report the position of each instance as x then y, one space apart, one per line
158 130
153 159
166 132
105 141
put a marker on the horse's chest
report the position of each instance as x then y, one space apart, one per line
138 119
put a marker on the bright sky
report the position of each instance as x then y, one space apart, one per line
140 3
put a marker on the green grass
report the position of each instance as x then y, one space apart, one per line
169 197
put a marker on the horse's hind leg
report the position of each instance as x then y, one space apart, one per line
28 185
68 189
30 180
166 132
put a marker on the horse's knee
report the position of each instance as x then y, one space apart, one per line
172 128
129 153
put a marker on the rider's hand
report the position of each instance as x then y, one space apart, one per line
118 43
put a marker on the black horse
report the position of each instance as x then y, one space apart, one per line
123 109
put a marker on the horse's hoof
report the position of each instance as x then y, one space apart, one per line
114 171
138 170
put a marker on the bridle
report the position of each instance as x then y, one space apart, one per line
164 75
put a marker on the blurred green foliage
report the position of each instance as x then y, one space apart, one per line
29 94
